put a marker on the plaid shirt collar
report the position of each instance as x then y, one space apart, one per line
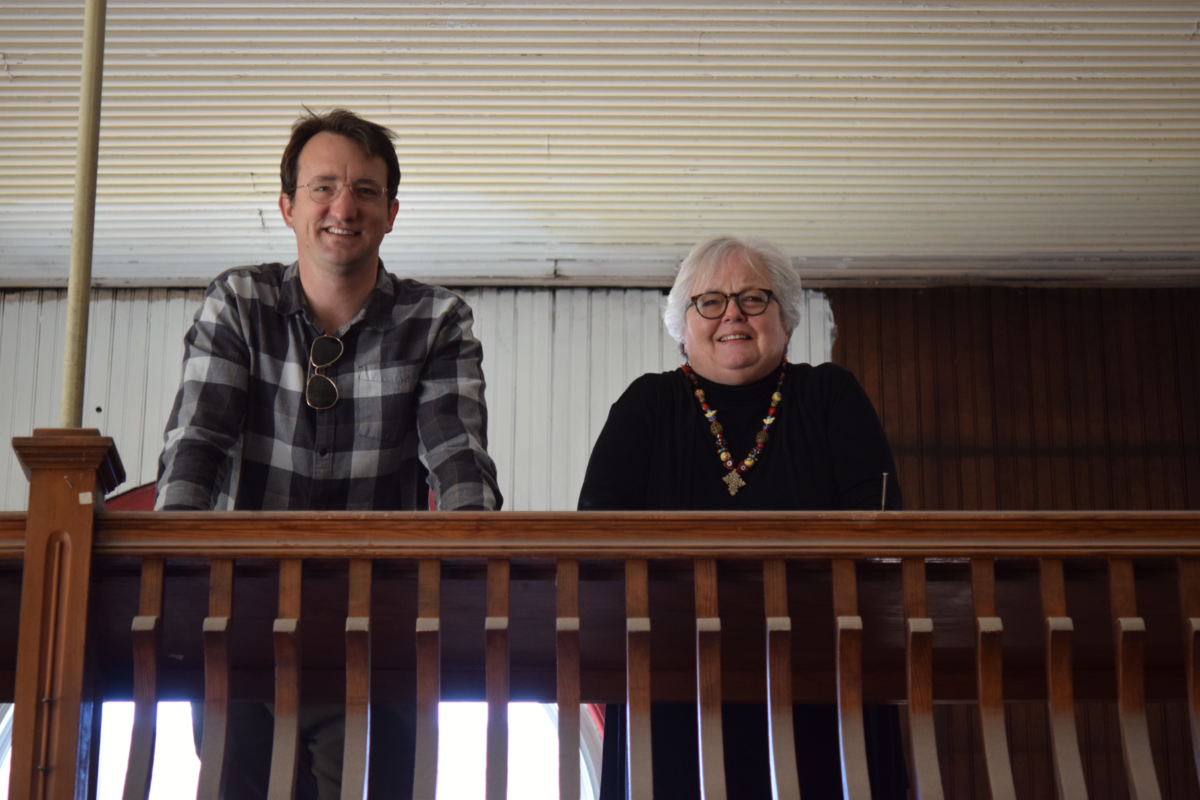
376 313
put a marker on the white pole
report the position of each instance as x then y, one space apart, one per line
87 153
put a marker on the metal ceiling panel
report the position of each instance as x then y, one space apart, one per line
596 142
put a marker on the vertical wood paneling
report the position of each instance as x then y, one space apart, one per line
926 442
1116 392
889 379
981 396
1031 399
1004 400
945 375
908 456
1165 345
1133 419
1152 388
962 374
1091 332
1187 367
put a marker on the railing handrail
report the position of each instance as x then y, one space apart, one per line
889 534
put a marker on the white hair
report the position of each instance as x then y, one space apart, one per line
706 258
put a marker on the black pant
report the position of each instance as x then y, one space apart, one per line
675 744
322 741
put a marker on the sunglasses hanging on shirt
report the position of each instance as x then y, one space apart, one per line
321 392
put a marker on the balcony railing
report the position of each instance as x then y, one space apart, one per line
845 608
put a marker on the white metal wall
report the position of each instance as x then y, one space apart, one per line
555 360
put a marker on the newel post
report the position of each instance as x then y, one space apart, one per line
69 471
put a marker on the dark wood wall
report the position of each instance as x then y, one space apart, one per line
1037 399
1032 399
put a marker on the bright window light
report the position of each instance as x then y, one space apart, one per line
176 767
462 752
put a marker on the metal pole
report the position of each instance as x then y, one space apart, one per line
87 154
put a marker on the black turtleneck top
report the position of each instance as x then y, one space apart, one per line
827 450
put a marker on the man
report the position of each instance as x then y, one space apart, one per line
327 384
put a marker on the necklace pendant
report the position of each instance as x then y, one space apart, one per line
734 481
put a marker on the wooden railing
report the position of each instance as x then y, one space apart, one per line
636 608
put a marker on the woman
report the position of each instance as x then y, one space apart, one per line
736 428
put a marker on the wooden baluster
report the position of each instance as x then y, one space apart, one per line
567 626
1060 693
496 628
927 775
1189 605
429 670
214 744
147 637
785 782
285 748
640 758
1130 634
855 782
708 681
989 665
356 756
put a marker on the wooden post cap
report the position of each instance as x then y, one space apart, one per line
71 448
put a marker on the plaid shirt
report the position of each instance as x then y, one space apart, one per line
410 414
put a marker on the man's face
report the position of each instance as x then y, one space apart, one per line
340 237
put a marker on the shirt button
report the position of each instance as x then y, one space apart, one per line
322 451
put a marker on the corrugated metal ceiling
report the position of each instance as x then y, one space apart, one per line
596 142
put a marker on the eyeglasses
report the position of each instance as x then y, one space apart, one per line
752 302
324 191
321 392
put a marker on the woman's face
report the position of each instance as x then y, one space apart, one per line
734 349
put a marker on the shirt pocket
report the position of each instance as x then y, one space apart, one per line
384 396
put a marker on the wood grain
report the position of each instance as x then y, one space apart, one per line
990 680
640 769
845 588
1060 690
1091 394
286 742
567 645
848 632
356 752
708 681
147 637
496 654
1130 633
923 757
215 741
1189 606
69 471
785 780
643 536
429 669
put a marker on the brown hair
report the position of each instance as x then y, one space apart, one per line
374 139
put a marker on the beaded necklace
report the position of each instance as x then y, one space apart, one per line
734 479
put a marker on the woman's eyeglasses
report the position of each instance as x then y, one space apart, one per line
321 392
752 302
